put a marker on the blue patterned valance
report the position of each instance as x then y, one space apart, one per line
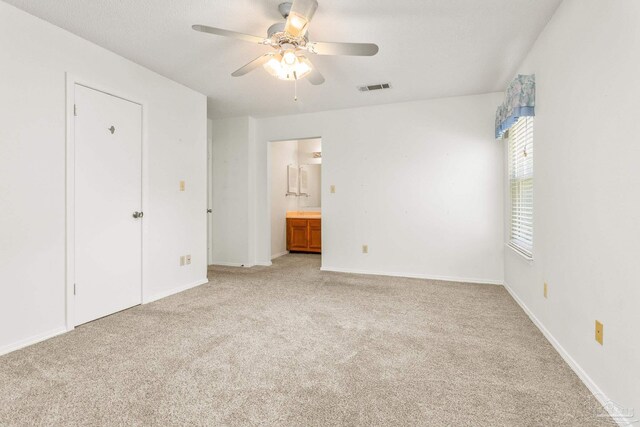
520 102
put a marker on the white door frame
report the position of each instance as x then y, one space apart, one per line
209 194
71 81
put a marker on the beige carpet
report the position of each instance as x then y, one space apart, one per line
290 345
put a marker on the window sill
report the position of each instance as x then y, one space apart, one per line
518 251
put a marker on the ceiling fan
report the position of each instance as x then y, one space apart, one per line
291 45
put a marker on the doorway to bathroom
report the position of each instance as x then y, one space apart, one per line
296 196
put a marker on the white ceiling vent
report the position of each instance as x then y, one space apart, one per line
379 86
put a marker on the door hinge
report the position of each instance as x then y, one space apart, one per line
74 288
75 110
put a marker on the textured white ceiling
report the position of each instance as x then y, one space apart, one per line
428 48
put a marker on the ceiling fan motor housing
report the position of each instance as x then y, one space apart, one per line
278 27
277 34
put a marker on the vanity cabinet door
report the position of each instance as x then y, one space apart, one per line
315 235
298 237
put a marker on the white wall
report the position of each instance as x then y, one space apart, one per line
34 58
420 183
283 153
586 200
232 181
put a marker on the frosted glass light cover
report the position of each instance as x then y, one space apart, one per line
278 68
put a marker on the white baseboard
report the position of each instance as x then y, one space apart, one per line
58 331
279 255
415 276
231 264
173 291
612 408
32 340
237 264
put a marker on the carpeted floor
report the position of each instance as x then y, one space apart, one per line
290 345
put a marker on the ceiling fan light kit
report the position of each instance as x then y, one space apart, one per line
291 44
288 68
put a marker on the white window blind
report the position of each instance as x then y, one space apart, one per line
521 185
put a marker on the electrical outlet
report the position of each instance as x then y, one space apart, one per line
188 259
182 261
365 249
545 291
599 331
333 189
182 185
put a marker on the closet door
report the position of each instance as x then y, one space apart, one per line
108 204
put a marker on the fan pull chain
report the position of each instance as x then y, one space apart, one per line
295 86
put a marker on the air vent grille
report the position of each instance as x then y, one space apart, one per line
370 88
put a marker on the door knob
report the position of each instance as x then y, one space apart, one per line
209 211
138 214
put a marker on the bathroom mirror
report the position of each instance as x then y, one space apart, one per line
310 186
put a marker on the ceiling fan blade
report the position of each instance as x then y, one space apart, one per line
301 13
227 33
353 49
260 60
314 77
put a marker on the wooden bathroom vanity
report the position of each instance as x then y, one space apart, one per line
304 232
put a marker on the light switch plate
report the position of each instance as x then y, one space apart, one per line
365 249
182 185
188 259
545 291
333 189
182 260
599 332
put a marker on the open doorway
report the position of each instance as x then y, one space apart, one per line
296 200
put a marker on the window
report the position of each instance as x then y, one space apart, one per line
521 185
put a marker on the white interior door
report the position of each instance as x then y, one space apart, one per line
108 190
